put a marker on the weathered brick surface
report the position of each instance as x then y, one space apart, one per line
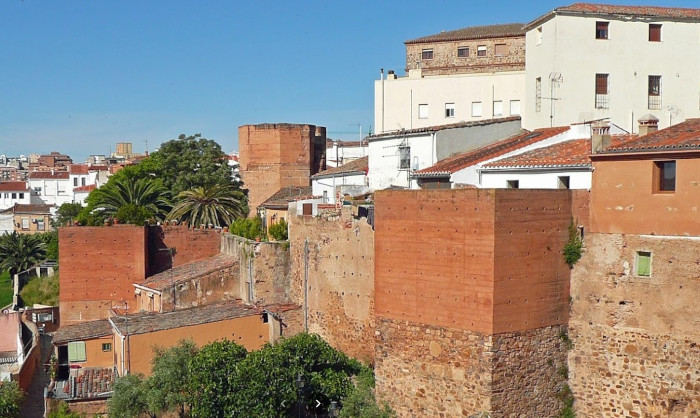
446 61
273 156
174 245
340 279
427 370
636 339
204 289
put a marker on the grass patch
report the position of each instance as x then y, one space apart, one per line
42 290
5 289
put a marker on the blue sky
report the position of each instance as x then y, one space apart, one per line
80 76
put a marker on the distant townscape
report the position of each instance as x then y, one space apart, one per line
518 237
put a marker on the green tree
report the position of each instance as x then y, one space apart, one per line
249 228
128 199
62 410
50 239
278 230
219 205
211 369
361 402
19 252
168 388
10 399
66 213
130 399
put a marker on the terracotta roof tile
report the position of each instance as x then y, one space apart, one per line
647 11
86 188
78 168
437 128
287 194
358 166
96 167
145 322
13 186
474 32
58 175
680 137
90 383
520 140
188 271
82 331
31 208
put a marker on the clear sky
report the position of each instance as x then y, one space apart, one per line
79 76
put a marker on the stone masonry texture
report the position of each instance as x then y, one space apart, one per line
340 279
636 338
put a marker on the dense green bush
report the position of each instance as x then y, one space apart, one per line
250 228
278 230
574 247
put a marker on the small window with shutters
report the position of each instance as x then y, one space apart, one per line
654 32
601 91
500 50
601 30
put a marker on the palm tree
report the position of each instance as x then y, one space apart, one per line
19 252
218 205
131 200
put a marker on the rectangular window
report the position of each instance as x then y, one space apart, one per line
325 196
601 30
25 224
21 195
14 195
664 176
44 317
513 184
463 52
563 182
82 181
538 35
481 51
106 346
76 351
75 181
476 109
449 110
404 157
422 111
655 92
427 54
601 91
538 94
498 108
500 50
654 33
40 224
514 107
642 263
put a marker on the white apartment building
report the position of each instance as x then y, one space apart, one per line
591 61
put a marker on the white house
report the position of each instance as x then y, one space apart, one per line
12 192
394 157
592 61
342 152
328 183
52 187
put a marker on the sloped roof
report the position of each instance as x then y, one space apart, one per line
145 322
458 162
287 194
566 154
13 186
437 128
78 168
86 188
83 331
474 32
684 136
40 209
90 383
188 271
56 175
358 166
593 9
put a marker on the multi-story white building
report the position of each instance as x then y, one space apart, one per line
52 187
591 61
14 192
465 75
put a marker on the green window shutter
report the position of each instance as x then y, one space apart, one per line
643 263
76 351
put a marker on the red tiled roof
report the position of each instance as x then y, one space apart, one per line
442 127
57 175
145 322
681 137
358 166
38 209
647 11
13 186
474 32
520 140
618 10
78 169
566 154
188 271
86 188
83 331
90 383
287 194
96 167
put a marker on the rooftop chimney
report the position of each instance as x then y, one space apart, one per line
600 138
648 124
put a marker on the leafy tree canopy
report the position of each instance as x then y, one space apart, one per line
10 399
218 205
128 199
66 213
130 399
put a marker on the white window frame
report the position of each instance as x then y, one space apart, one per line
449 110
514 107
477 110
423 111
497 108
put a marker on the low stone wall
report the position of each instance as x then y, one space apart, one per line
212 287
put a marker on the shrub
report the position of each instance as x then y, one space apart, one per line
278 231
250 228
574 247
